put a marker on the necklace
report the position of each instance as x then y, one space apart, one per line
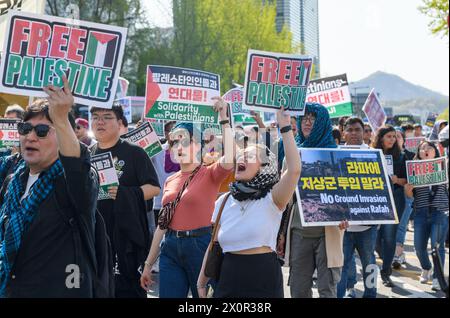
244 207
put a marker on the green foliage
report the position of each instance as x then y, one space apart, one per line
210 35
444 115
437 10
215 35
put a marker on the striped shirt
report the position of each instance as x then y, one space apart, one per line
432 196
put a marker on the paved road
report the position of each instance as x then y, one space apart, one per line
406 279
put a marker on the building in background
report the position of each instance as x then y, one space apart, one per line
301 17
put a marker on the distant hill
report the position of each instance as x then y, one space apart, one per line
402 95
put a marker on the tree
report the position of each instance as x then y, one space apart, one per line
215 35
444 115
437 10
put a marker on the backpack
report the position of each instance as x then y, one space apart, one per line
99 252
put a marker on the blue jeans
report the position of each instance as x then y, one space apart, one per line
351 273
403 225
179 265
388 233
429 224
364 243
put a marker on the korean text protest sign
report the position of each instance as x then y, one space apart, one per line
145 137
273 80
344 184
374 111
411 144
40 49
106 172
422 173
333 93
181 94
9 137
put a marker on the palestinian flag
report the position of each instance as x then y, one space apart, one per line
101 49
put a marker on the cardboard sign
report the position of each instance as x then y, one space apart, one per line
423 173
374 111
40 49
145 137
9 137
411 144
273 80
333 93
181 94
344 184
107 174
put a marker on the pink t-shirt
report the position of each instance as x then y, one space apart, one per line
198 200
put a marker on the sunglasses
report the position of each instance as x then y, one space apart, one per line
41 130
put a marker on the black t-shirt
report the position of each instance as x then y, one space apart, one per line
400 168
134 168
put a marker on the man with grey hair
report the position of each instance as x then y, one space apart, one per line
14 112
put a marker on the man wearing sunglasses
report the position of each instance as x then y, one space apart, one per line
38 257
125 213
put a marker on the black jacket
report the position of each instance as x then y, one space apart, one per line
45 261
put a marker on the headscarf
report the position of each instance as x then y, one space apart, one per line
435 132
261 184
321 133
194 132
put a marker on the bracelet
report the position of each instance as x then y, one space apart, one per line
148 264
224 122
286 129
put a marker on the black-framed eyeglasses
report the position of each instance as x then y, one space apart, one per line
41 130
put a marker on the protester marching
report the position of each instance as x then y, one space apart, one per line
277 188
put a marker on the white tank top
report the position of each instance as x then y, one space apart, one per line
248 224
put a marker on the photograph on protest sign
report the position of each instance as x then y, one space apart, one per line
374 111
40 49
181 94
145 137
107 174
423 173
412 143
333 93
273 80
344 184
9 136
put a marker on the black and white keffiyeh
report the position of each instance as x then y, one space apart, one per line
261 184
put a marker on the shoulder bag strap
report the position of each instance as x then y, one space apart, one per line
216 224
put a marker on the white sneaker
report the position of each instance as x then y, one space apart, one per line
425 276
435 286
